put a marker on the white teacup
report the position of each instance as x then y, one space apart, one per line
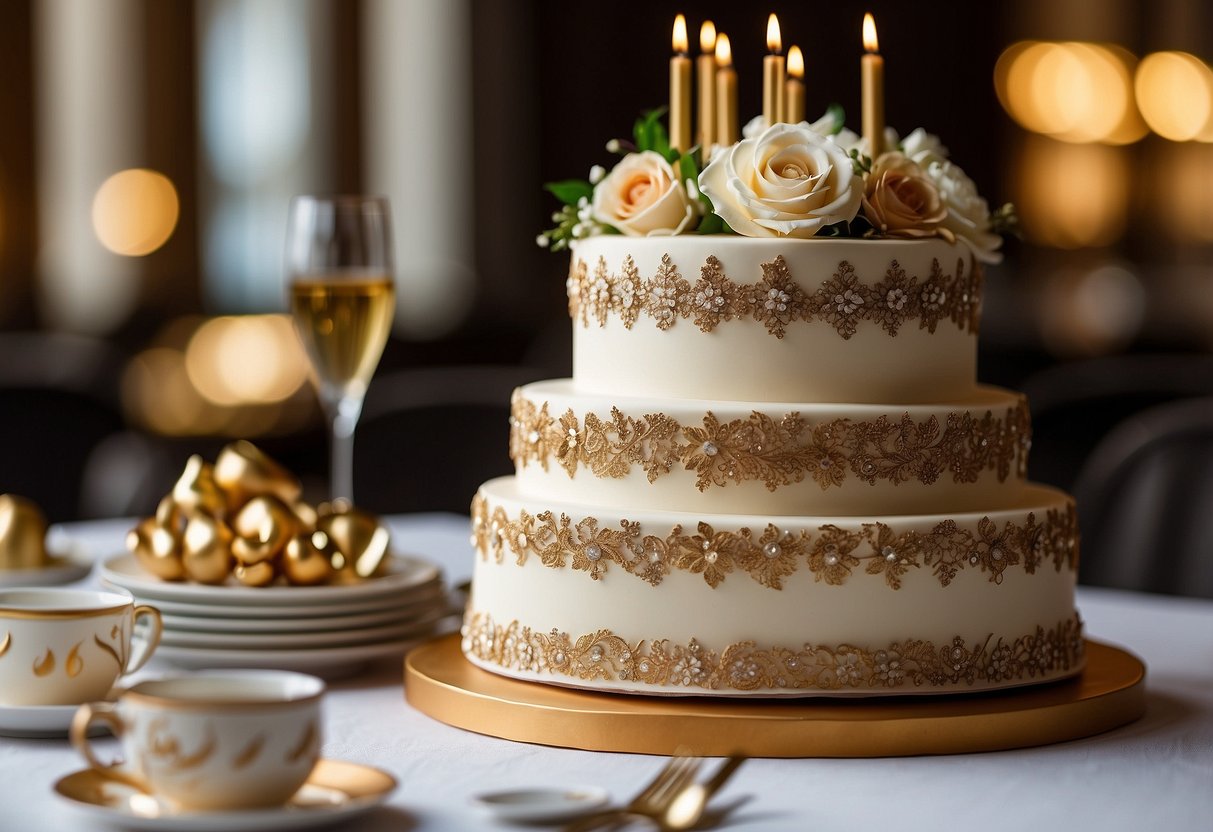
67 646
215 740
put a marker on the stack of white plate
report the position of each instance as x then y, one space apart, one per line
329 630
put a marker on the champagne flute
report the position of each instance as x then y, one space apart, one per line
339 266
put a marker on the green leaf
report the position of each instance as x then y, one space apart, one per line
650 134
838 117
687 166
711 224
570 190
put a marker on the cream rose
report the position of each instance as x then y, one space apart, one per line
968 214
643 197
900 201
924 148
789 181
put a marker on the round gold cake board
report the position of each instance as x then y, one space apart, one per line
1109 693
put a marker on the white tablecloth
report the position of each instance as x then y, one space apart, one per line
1156 774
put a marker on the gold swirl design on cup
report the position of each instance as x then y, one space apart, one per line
8 642
306 743
246 757
74 664
108 648
164 745
46 665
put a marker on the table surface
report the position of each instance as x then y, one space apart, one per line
1155 773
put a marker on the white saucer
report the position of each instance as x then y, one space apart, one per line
404 573
325 637
288 611
326 662
41 721
336 791
542 805
67 566
395 614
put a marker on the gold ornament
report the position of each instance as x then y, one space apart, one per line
196 490
262 527
255 574
305 515
243 517
243 471
22 534
308 559
207 548
156 549
360 538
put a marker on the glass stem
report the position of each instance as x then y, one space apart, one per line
343 413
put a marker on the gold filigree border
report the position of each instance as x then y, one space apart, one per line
774 451
832 554
604 656
776 301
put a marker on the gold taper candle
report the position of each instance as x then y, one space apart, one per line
871 68
726 93
772 75
705 66
793 107
680 89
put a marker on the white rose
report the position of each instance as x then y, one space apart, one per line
643 197
968 214
924 148
788 182
754 127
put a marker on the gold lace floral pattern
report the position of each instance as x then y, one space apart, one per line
776 451
604 656
834 555
776 301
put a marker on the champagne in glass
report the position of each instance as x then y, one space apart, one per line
339 262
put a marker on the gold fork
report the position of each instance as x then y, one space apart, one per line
652 801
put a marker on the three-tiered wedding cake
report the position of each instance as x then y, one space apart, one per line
773 473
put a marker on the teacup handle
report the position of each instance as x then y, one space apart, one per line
153 639
85 716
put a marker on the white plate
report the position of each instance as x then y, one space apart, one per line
284 612
404 573
68 564
296 641
335 792
395 614
40 721
326 662
542 805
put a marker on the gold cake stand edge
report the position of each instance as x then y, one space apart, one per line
1109 693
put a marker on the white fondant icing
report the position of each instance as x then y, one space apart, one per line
863 611
677 491
740 361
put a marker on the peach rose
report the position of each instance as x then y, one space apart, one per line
900 201
643 197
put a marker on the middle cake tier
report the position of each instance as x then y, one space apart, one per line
769 458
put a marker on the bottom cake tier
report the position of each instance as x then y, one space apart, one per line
658 602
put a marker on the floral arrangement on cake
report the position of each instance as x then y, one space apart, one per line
781 179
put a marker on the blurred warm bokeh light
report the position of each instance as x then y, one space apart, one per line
1072 195
1074 92
1175 93
218 363
135 211
239 375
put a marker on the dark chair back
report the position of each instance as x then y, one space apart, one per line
1145 503
429 437
58 401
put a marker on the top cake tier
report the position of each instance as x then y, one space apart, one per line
743 319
